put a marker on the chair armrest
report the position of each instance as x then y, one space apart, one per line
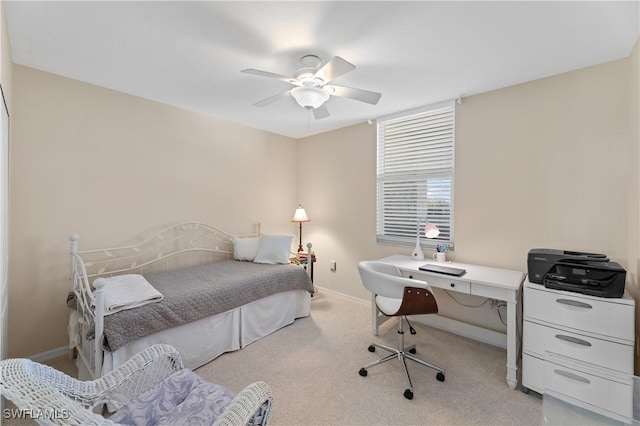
246 404
30 385
137 375
37 388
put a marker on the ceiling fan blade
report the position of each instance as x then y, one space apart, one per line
334 69
268 74
271 99
321 112
357 94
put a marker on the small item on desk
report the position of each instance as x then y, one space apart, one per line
442 248
441 253
439 256
430 267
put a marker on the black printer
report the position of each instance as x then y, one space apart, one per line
587 273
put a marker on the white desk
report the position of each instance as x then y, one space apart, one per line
494 283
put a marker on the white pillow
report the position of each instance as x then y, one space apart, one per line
245 248
274 249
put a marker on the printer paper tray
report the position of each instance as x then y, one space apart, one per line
590 290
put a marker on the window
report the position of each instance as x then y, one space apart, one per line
415 175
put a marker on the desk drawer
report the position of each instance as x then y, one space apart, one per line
600 316
539 338
491 292
446 283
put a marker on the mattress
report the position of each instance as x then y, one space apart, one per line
199 292
204 340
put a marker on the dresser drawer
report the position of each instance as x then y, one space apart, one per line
596 389
596 315
446 283
540 338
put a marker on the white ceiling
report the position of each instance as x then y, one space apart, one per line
189 54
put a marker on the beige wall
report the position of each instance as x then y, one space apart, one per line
541 164
109 166
549 163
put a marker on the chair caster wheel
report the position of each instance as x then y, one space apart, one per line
372 348
412 351
408 394
440 377
363 372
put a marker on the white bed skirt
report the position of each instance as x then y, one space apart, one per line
204 340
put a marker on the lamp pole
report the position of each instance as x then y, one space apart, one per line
300 249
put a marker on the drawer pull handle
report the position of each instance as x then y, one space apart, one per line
574 303
572 376
453 285
572 339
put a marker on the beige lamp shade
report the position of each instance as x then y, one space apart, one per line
300 215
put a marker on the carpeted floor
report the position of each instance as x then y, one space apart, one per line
312 367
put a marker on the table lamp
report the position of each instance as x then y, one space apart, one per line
300 216
430 231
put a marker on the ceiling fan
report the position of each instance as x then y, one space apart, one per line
312 88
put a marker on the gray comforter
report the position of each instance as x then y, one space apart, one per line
194 293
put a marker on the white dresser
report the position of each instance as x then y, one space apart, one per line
580 347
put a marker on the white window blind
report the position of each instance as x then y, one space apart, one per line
415 176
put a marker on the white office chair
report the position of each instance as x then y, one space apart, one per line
396 296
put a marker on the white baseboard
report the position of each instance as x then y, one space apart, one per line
53 353
460 328
345 296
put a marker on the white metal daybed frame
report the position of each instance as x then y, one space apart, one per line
182 245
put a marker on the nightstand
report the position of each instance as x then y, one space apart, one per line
303 259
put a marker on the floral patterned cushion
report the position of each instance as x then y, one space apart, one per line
180 399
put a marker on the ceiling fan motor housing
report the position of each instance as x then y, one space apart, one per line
310 65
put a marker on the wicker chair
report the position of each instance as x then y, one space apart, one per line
56 398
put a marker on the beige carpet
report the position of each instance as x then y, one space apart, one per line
312 367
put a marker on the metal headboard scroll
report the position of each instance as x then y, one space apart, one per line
202 243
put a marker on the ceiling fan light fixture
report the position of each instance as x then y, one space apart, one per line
312 88
309 97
